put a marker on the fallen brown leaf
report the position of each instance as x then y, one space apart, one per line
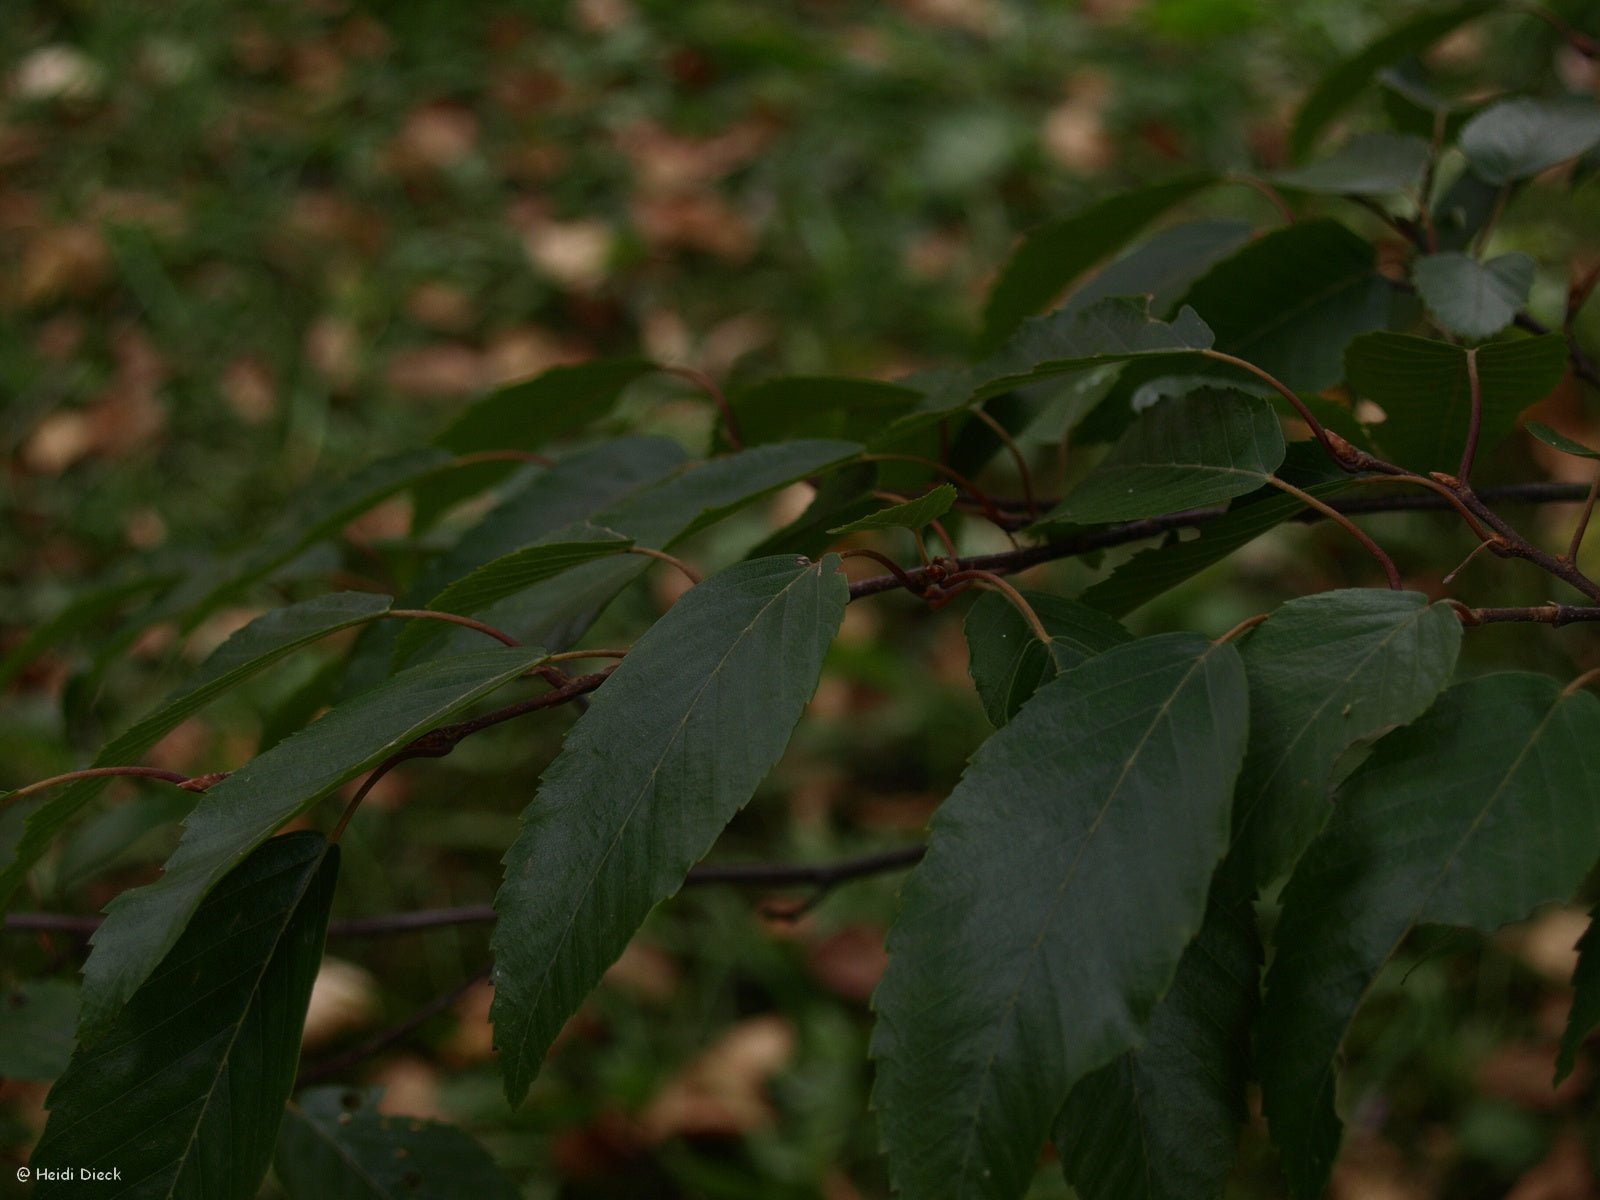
722 1093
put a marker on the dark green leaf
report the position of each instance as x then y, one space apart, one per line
1053 255
37 1018
1327 672
1423 388
1162 1122
1336 90
257 646
525 416
1288 302
913 514
671 747
1585 1015
1561 442
1188 453
245 809
1164 267
506 576
1475 300
1518 138
841 497
1415 109
335 1145
819 407
1022 959
1372 164
1149 573
1008 662
184 1093
1484 809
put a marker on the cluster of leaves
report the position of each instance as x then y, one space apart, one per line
1078 957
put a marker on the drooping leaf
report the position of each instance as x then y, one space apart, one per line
184 1093
252 649
1289 302
1204 448
1371 164
1164 267
1326 672
671 747
506 576
1560 441
1473 299
556 612
1150 572
1162 1122
1007 660
245 809
1053 255
1021 960
913 514
1336 90
819 407
37 1017
1424 390
1483 809
1585 1015
334 1144
1517 138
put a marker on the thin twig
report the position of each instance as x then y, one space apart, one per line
1541 614
1474 418
428 614
709 385
689 573
949 473
1346 523
1017 457
1244 626
177 777
1288 393
1266 189
338 1064
490 456
1583 519
992 582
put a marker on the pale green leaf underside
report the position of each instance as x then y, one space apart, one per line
1022 960
184 1093
1483 809
257 646
913 514
671 747
1374 164
1183 454
241 812
1520 137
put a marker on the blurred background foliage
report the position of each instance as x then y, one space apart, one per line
247 246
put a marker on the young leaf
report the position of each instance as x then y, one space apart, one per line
1518 138
1585 1015
506 576
671 747
1475 300
1336 90
1162 1122
1326 672
37 1017
1485 808
245 809
1373 164
1008 662
913 514
1022 960
1424 390
1560 441
1053 255
257 646
184 1093
334 1144
1186 453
